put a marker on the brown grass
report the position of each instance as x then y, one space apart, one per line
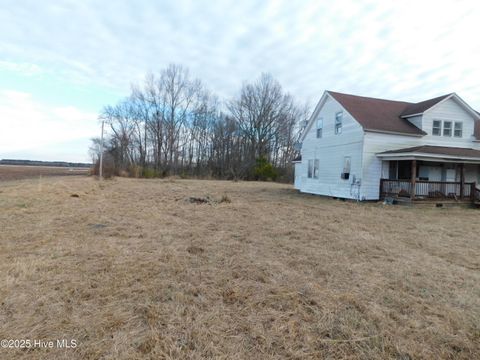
133 270
18 172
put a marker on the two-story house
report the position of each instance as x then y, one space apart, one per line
365 148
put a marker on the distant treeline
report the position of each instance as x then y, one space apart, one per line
44 163
173 125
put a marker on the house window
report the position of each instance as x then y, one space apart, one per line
316 165
457 131
338 122
346 167
310 169
447 128
437 128
319 128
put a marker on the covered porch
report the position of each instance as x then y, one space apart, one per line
431 173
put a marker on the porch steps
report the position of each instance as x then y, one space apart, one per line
400 201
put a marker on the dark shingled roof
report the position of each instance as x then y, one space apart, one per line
297 159
386 115
378 114
420 107
438 150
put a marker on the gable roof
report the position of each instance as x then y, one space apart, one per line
378 114
421 107
388 116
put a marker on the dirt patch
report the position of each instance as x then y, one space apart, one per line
195 250
200 200
208 200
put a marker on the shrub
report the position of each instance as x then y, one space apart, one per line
264 170
150 173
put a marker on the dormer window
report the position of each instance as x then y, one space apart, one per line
319 128
458 130
447 128
437 128
338 122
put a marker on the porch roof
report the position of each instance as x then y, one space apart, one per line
433 153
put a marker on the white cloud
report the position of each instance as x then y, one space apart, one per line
409 50
23 68
29 125
378 48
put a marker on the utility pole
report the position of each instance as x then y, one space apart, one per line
100 171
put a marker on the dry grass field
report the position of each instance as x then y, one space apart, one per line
132 269
17 172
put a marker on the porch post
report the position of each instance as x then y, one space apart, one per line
414 179
462 179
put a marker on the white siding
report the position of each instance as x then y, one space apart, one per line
331 150
363 147
376 142
449 110
385 172
372 165
298 176
416 120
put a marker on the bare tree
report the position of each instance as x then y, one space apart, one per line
172 125
266 116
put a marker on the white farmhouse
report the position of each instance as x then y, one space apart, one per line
364 148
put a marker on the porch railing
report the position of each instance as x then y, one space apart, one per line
429 189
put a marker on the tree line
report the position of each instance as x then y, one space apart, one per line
173 125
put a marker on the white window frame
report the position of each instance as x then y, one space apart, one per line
455 129
316 168
347 167
437 127
319 128
447 128
338 122
310 169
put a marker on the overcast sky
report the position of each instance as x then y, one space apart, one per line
61 61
